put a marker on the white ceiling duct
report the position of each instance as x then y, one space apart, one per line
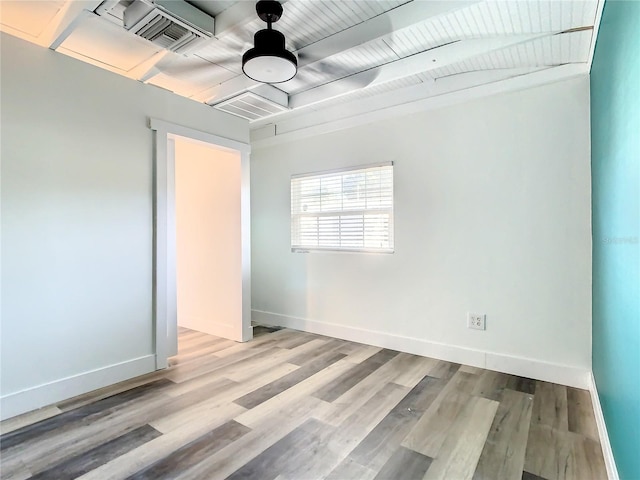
172 24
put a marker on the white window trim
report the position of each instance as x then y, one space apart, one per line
335 249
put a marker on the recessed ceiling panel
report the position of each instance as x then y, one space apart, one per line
110 44
30 17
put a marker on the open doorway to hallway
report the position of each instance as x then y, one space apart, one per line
202 251
208 238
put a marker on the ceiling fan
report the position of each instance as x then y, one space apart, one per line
269 61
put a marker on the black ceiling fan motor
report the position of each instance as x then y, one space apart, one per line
269 11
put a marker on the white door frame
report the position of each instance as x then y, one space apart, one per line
164 223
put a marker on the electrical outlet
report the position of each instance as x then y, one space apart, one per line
476 321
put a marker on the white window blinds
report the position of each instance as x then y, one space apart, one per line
349 210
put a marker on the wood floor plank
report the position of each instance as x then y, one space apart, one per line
296 341
29 418
581 418
444 369
270 390
202 343
430 432
521 384
360 352
193 452
189 336
20 473
556 454
504 449
384 440
311 355
413 369
550 405
91 459
350 469
470 369
296 448
199 351
463 445
349 379
491 385
404 464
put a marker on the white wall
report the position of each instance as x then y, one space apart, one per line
492 215
208 241
77 171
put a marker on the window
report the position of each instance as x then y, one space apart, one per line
346 210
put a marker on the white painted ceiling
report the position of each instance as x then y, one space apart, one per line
347 50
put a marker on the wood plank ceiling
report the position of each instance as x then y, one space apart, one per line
347 50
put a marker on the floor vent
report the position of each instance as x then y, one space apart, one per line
250 106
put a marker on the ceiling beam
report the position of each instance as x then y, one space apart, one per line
400 17
404 67
66 21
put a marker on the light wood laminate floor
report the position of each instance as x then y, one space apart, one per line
295 406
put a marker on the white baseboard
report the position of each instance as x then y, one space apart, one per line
522 366
607 452
37 397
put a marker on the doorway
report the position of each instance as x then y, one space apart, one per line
202 272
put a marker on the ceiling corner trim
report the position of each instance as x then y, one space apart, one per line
594 32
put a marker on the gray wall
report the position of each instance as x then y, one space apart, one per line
77 172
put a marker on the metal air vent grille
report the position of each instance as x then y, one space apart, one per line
250 106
